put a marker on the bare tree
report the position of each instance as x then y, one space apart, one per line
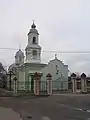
3 76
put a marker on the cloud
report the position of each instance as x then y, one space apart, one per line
63 26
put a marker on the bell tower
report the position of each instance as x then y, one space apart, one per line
33 50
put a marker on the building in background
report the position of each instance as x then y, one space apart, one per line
26 68
79 83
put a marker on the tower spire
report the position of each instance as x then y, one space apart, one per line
33 25
33 21
19 46
33 47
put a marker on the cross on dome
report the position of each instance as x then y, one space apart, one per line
55 56
33 21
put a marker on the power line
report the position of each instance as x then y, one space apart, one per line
8 49
68 51
50 51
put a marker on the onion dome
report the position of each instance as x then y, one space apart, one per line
33 29
33 25
19 53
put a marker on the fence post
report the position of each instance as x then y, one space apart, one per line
49 83
36 84
73 79
83 82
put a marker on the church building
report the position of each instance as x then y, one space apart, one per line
32 74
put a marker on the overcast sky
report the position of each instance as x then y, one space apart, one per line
63 25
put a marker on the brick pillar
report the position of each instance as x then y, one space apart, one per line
73 79
83 82
74 84
82 85
49 83
36 88
36 84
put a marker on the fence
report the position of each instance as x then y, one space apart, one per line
27 88
57 86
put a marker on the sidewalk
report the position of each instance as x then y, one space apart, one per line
8 114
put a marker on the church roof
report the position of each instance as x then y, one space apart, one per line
33 29
33 25
34 64
56 60
19 53
33 46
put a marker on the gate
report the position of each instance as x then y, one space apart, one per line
42 87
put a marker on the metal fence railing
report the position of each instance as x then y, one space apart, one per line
57 86
27 87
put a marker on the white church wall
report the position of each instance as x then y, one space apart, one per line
30 38
56 68
21 81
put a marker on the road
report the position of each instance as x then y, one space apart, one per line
56 107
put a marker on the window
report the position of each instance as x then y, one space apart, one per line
57 71
34 40
34 52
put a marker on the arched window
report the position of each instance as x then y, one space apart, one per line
34 40
34 53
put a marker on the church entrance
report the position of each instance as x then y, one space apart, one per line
35 84
43 87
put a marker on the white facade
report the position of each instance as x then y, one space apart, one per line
59 73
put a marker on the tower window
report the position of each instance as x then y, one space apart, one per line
34 52
20 59
34 40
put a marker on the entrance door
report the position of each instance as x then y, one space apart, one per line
32 85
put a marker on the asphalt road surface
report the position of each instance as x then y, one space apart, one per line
56 107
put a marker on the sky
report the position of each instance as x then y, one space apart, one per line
63 25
